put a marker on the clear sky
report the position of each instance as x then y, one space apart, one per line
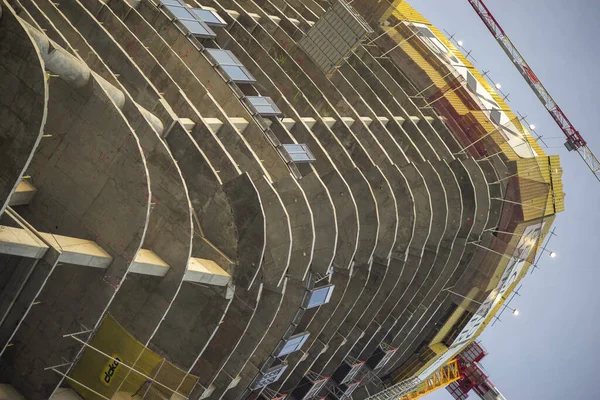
550 351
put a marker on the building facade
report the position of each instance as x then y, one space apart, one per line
251 198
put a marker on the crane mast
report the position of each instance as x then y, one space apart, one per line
574 139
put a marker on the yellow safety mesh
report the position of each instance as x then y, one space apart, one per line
438 76
531 188
101 374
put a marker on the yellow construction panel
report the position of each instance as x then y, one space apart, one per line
404 11
436 74
438 348
447 326
104 375
540 186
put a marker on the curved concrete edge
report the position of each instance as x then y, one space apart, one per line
325 220
264 356
339 129
250 222
434 257
302 225
227 339
169 233
213 215
326 135
474 187
194 319
317 343
117 198
450 253
23 120
278 248
266 312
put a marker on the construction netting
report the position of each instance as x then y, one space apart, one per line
116 365
525 189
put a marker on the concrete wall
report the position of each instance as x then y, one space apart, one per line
23 102
85 160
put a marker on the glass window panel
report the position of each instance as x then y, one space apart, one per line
495 116
294 148
287 349
471 82
299 152
294 341
237 74
198 29
265 110
209 17
171 3
293 344
181 12
320 296
259 100
271 375
439 45
425 32
224 57
300 157
264 105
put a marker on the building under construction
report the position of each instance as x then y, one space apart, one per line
242 199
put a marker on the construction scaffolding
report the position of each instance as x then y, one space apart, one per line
525 193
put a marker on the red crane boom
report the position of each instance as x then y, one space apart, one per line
574 140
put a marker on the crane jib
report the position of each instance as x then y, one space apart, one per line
574 139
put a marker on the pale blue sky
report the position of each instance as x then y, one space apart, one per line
550 350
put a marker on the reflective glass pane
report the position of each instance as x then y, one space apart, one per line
287 349
293 344
259 101
237 74
198 29
271 375
495 116
294 341
300 157
181 13
471 82
425 32
319 296
224 57
266 110
294 148
209 17
171 2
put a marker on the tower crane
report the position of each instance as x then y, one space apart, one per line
574 139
